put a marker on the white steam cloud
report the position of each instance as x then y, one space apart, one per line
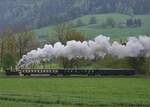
100 47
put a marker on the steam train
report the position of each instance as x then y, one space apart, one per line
69 72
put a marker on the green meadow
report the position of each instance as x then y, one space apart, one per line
90 31
74 92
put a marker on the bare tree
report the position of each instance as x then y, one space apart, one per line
8 49
65 33
1 48
61 30
26 41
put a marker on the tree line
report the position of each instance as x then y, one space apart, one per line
14 45
111 23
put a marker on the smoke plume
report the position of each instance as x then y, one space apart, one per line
99 47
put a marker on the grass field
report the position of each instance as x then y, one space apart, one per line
91 31
74 92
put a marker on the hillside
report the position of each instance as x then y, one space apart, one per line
92 30
18 14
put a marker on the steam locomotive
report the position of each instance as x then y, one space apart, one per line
69 72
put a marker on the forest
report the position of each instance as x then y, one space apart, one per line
41 13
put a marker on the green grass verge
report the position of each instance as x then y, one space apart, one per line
74 92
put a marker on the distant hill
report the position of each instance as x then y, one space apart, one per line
92 30
19 14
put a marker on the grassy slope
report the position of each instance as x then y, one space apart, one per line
90 31
60 92
116 33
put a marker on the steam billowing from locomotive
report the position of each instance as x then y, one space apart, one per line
99 47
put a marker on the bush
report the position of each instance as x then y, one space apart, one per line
93 20
109 23
8 61
79 23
